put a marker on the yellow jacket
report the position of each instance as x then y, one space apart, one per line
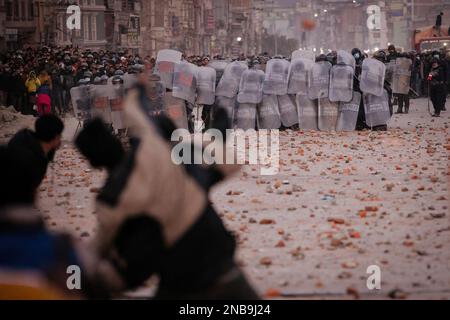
32 84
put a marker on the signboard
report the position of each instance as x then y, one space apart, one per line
134 28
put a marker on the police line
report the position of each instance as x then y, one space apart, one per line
305 92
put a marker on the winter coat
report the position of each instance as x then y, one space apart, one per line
32 85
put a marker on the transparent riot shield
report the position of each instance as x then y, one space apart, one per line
229 83
116 100
303 54
348 113
342 77
175 109
373 73
165 65
401 76
345 58
206 86
341 83
390 68
376 109
129 80
268 115
185 81
153 106
327 115
219 66
288 110
299 73
101 105
307 112
250 88
319 80
82 101
245 116
276 79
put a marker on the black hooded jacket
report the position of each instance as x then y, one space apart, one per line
30 150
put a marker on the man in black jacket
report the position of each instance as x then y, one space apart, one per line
437 86
38 148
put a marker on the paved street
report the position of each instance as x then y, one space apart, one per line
341 203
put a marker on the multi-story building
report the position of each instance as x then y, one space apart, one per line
92 34
2 25
33 22
123 25
186 25
21 19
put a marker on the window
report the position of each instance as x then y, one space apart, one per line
8 10
86 27
24 10
30 10
128 5
16 10
159 15
93 28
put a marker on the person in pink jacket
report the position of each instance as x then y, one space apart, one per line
43 99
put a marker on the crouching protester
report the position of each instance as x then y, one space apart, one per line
155 216
34 263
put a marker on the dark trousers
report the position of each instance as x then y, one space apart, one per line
57 99
232 286
403 101
438 96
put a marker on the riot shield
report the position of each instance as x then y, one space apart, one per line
176 110
319 80
129 80
303 54
250 88
185 81
307 112
402 76
219 66
372 77
390 68
229 83
327 115
345 58
155 91
341 83
82 101
276 79
245 116
376 109
268 115
116 99
165 65
206 85
299 76
348 113
101 105
230 105
288 111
